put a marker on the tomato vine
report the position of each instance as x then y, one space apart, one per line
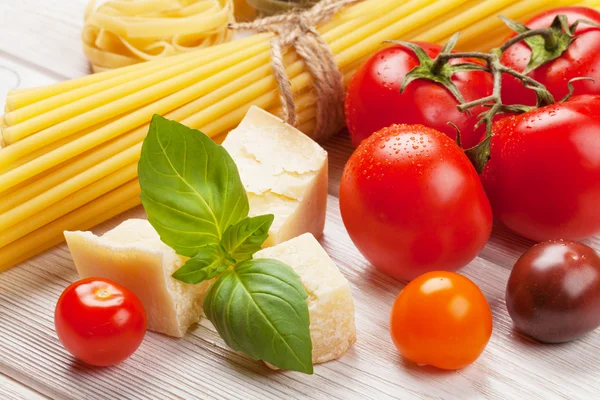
547 44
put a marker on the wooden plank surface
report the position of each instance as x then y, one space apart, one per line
13 390
45 35
40 44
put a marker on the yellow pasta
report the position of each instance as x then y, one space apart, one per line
88 111
66 205
495 30
30 210
58 175
590 3
467 17
23 97
86 217
119 33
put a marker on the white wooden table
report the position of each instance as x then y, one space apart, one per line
39 44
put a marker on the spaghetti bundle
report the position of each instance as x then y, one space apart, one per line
74 144
124 32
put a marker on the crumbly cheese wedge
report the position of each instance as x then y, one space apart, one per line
133 256
284 173
330 303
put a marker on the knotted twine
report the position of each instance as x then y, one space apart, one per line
296 29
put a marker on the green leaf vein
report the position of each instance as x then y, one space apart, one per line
194 191
266 317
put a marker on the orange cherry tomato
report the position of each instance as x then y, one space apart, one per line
441 319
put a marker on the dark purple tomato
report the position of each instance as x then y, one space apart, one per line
553 292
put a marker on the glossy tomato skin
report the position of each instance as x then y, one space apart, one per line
553 293
441 319
582 59
374 101
412 202
543 178
99 322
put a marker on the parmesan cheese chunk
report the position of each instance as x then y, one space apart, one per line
330 303
284 173
133 256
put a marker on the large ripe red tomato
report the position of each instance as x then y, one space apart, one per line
582 59
543 178
441 319
374 100
412 202
99 322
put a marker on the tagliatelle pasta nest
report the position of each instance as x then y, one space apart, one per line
117 33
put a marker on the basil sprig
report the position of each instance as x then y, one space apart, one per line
195 199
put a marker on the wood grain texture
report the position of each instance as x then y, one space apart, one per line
13 390
45 47
44 34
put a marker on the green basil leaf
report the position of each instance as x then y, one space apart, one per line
210 261
191 188
246 237
259 308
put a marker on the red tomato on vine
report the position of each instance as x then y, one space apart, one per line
375 100
569 57
543 177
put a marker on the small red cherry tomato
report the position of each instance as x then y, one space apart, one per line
441 319
99 322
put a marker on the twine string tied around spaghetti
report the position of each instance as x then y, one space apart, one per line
296 29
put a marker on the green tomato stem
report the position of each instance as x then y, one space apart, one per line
546 33
480 154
